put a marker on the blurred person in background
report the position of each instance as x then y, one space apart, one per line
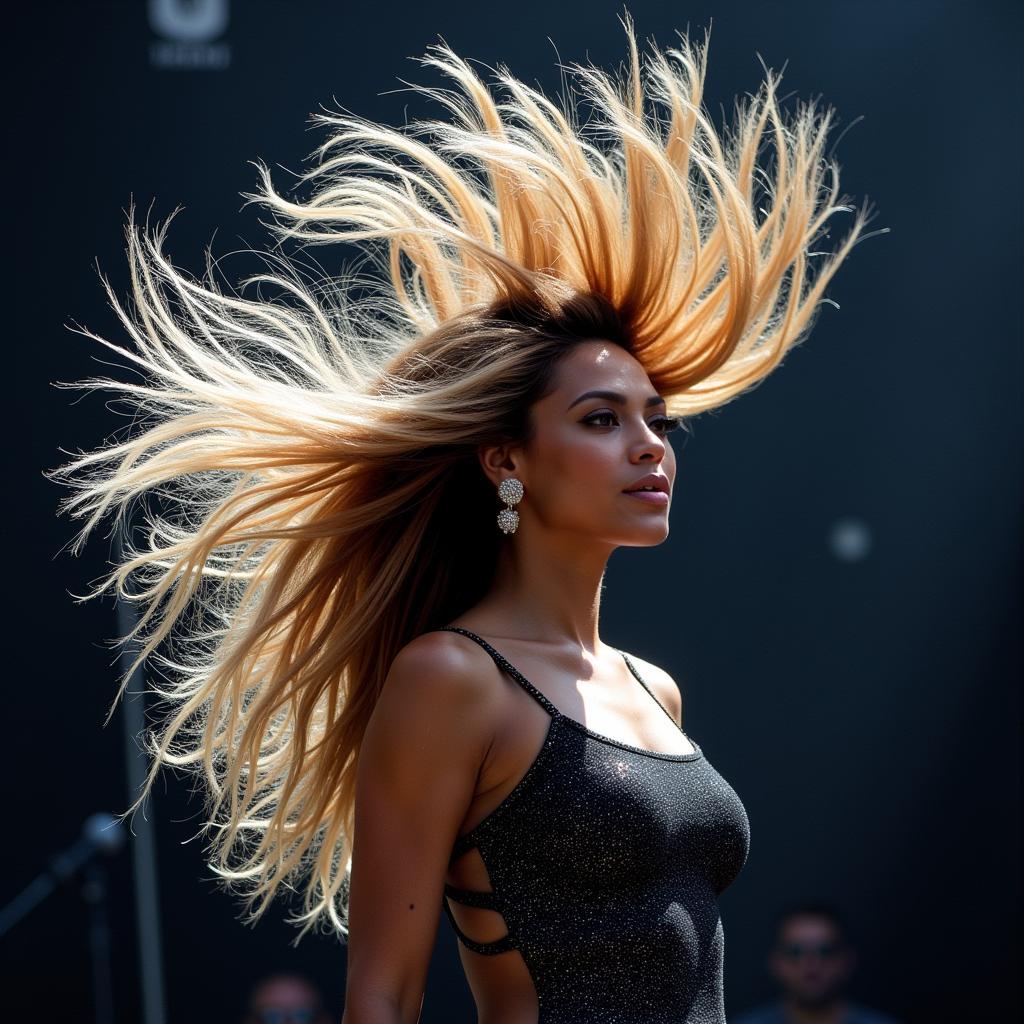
811 962
286 999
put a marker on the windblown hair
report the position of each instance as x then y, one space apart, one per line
312 459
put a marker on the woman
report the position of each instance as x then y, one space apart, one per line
387 511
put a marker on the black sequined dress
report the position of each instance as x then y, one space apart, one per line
606 861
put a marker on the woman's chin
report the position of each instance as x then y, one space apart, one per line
648 537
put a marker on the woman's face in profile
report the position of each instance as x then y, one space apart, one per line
590 448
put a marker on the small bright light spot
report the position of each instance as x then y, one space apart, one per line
850 539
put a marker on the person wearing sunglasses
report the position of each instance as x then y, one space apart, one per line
811 962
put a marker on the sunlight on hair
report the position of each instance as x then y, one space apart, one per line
310 460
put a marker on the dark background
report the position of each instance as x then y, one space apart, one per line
840 596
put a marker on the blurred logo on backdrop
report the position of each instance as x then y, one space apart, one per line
189 34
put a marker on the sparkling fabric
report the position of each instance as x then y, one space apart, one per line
606 862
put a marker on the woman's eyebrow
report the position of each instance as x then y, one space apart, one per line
614 396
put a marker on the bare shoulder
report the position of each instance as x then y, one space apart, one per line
439 675
441 659
664 686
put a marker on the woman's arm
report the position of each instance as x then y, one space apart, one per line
424 746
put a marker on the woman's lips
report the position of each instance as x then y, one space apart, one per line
651 497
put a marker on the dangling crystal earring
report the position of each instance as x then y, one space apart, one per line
511 492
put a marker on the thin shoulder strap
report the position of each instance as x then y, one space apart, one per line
640 679
507 666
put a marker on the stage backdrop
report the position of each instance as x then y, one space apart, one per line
839 597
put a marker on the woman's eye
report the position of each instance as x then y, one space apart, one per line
666 423
662 424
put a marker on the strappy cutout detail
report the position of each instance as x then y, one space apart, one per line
480 899
502 945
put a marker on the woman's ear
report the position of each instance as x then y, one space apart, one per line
500 461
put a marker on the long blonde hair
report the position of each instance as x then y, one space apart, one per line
317 502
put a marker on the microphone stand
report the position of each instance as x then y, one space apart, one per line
94 892
101 834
